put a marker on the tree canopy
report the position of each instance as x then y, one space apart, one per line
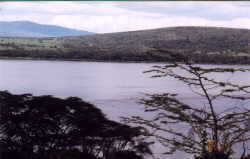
48 127
208 128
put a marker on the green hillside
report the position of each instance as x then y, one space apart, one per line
200 44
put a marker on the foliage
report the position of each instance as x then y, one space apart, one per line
208 128
48 127
202 44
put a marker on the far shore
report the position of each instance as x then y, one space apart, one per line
107 61
77 60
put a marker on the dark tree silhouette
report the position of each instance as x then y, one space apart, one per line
46 127
209 128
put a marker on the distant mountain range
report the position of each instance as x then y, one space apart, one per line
31 29
199 44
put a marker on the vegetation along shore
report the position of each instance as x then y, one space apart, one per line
201 44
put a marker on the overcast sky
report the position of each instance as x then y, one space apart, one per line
103 17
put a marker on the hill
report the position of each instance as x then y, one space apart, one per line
200 44
30 29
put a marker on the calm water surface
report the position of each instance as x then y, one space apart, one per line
113 87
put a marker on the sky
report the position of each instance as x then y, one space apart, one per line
106 17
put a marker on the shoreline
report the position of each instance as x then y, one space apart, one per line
77 60
107 61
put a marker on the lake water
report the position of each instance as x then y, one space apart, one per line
113 87
108 85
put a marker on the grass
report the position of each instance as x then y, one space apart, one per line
28 43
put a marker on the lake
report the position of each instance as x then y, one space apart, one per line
113 87
108 85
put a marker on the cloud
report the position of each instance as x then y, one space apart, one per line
208 10
102 17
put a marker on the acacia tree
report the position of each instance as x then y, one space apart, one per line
34 127
208 128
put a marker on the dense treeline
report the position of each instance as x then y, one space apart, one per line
45 127
148 57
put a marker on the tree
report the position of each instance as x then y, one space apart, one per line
36 127
209 128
